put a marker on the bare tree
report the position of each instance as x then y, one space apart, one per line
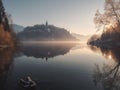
110 17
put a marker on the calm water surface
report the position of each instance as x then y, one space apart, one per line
61 66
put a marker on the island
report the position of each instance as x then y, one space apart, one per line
45 32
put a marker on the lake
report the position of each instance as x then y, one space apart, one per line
60 66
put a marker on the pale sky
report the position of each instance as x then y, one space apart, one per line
73 15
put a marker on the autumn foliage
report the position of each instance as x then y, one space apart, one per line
7 36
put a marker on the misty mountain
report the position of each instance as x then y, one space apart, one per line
80 36
17 28
45 32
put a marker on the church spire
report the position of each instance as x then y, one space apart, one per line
46 23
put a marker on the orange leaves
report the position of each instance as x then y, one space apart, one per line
5 37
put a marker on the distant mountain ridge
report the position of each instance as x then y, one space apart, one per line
17 28
45 32
80 36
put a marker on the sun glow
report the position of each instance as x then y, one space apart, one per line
110 25
109 57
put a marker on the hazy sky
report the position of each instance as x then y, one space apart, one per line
74 15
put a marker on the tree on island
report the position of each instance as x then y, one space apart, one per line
108 22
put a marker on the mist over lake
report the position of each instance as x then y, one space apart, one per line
63 66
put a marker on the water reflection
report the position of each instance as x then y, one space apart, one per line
46 51
109 74
6 57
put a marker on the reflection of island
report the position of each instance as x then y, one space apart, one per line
46 50
108 75
6 57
